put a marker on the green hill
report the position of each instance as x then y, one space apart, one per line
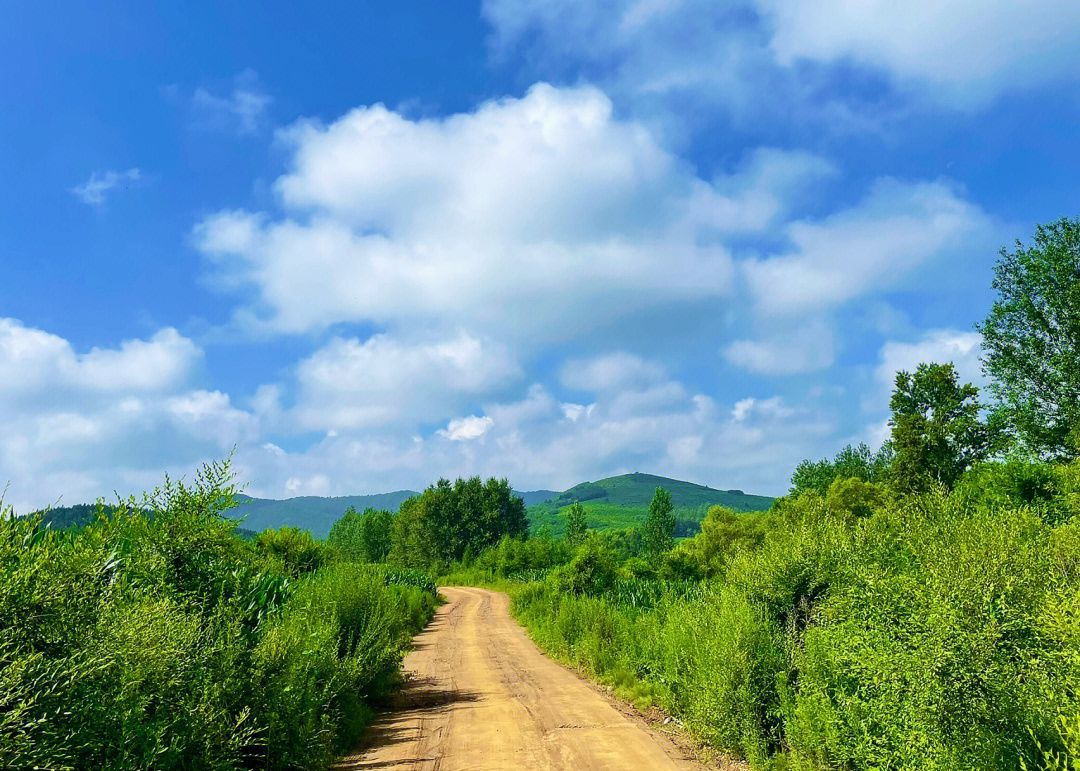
623 501
309 512
615 502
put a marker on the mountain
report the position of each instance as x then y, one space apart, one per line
309 512
637 490
623 501
615 502
535 496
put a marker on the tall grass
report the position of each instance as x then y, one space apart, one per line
934 632
154 638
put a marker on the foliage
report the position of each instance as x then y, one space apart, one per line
936 430
363 537
723 534
1032 339
576 526
852 629
155 638
850 463
658 533
294 550
446 520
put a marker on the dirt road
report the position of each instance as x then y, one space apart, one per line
480 695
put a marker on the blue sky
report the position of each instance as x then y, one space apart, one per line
368 245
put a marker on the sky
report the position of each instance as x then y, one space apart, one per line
366 245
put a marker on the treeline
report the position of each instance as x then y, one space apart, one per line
154 637
913 607
444 524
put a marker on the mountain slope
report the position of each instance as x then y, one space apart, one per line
637 490
309 512
623 501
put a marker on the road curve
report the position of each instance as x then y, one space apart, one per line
479 695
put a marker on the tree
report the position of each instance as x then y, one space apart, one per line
936 429
447 519
362 537
850 463
1032 340
658 535
576 527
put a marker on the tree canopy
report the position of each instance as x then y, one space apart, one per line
1032 340
658 536
447 519
936 430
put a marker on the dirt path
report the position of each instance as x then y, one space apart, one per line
480 695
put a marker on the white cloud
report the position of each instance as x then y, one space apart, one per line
464 429
79 425
968 51
401 221
536 442
242 109
720 57
95 190
613 371
788 350
871 246
351 384
33 361
211 414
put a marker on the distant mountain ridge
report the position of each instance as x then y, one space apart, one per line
309 512
622 499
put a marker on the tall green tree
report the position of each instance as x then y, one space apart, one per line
936 430
446 520
1032 340
362 537
576 526
658 536
858 462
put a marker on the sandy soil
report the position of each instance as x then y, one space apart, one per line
480 695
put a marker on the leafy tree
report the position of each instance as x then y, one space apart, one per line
446 519
723 532
936 429
297 551
363 537
850 463
576 527
658 535
1032 339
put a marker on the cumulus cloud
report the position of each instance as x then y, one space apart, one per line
874 245
660 55
537 442
615 370
788 350
464 429
81 424
33 361
526 214
95 190
352 384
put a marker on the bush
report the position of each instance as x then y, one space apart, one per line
858 631
155 638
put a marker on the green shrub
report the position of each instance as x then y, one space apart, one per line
858 631
155 638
